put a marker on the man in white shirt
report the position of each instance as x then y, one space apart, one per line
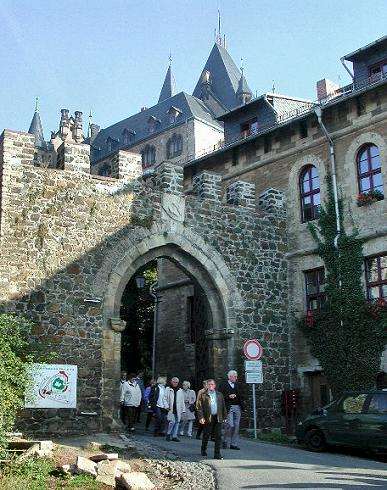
130 399
159 404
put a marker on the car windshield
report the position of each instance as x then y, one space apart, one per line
378 403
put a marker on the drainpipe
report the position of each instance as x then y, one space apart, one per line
318 112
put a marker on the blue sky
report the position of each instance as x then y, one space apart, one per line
112 55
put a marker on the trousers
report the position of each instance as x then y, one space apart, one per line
232 425
214 428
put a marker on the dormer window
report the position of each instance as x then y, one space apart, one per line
153 124
128 136
173 113
111 144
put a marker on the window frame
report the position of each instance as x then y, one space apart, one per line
147 151
302 194
319 296
380 65
380 282
370 171
175 142
246 127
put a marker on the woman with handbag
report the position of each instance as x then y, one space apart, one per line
188 417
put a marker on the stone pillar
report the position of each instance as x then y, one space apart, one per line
126 165
241 193
74 156
272 201
207 185
17 148
169 178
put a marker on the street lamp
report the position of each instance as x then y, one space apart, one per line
140 283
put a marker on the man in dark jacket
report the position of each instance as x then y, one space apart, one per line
234 403
212 413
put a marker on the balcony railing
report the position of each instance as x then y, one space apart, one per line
356 86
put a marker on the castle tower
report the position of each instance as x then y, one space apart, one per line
36 127
219 81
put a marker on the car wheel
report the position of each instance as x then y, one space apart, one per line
315 440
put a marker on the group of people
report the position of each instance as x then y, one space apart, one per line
175 408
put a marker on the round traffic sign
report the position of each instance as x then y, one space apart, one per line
252 349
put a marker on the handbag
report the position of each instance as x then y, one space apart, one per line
192 407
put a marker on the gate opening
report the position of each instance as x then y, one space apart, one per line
181 318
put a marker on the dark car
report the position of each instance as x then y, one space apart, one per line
357 419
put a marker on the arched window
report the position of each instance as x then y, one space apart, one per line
111 144
175 146
309 193
369 169
148 156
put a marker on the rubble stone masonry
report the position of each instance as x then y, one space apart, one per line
70 241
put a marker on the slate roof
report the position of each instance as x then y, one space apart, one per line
168 89
380 43
36 129
282 105
225 77
190 107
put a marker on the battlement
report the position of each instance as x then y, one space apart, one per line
18 150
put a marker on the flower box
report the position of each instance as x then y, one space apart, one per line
366 198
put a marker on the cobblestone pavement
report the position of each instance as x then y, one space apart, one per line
263 466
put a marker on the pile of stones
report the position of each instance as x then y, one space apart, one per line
108 469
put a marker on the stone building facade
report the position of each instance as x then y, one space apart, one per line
277 153
71 241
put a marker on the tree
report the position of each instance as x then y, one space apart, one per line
17 352
349 333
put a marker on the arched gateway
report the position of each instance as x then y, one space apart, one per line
200 262
85 236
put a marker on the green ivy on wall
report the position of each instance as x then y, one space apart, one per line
349 333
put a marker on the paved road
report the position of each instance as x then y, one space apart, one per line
265 466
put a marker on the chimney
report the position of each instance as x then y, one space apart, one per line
144 108
326 88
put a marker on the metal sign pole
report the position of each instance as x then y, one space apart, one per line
254 412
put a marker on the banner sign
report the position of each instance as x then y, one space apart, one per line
52 386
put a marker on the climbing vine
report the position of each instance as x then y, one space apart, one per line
348 335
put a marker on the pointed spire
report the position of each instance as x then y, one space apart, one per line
168 88
36 127
243 93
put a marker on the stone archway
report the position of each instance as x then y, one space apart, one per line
205 266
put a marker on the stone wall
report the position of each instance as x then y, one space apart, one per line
70 242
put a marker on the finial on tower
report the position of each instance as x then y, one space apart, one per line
170 58
218 33
273 87
36 104
90 123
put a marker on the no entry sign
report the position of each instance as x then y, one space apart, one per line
252 349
